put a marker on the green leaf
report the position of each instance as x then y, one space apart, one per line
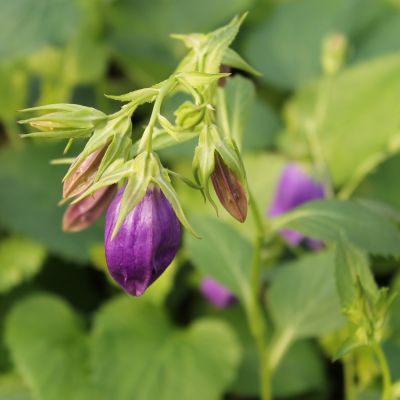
329 219
13 388
49 349
302 371
31 189
303 299
20 260
26 26
348 130
352 273
137 353
222 253
238 97
288 56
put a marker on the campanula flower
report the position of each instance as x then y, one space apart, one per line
294 188
229 190
82 214
216 294
146 243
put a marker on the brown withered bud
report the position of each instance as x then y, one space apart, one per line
229 190
83 176
81 215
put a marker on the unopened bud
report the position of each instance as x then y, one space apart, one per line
84 213
229 190
334 53
82 177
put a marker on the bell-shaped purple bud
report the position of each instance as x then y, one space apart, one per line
216 294
229 190
85 212
146 243
82 177
294 188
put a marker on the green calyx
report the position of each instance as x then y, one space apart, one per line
110 156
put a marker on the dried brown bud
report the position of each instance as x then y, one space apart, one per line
229 190
82 177
81 215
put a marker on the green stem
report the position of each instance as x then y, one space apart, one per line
386 377
256 320
348 372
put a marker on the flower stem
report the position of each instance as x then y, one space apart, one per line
256 320
348 374
386 377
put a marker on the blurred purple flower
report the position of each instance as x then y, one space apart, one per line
216 293
294 188
146 243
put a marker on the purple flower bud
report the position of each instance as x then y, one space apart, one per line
146 243
81 215
295 187
216 293
82 177
229 190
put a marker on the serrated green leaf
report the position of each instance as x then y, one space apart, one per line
20 260
329 219
222 253
197 362
353 272
48 347
302 298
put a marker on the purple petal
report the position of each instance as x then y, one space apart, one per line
216 293
294 188
146 243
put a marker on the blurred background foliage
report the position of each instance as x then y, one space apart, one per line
66 332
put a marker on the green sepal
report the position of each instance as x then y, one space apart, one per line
204 162
163 181
119 147
59 134
200 79
188 115
136 187
351 343
232 59
184 179
101 137
137 96
61 107
116 172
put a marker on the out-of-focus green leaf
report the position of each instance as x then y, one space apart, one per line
288 56
137 353
20 259
49 349
26 26
222 253
289 379
12 388
380 39
238 95
148 55
357 128
31 189
302 298
301 371
329 219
